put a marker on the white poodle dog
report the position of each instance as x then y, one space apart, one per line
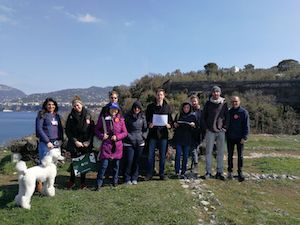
46 172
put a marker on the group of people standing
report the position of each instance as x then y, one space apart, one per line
127 135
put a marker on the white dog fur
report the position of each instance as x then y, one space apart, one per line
46 172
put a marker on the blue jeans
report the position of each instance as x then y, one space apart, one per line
211 138
132 155
43 149
103 166
162 147
184 149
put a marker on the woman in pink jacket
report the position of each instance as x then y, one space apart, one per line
111 131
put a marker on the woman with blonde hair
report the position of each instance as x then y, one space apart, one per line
79 130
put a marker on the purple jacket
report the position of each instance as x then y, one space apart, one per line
115 126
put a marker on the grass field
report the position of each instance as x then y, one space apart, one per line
166 202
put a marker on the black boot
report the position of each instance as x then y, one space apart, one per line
241 177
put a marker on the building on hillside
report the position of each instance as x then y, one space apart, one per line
235 69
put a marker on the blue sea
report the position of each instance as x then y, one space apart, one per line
14 125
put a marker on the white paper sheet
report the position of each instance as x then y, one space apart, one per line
160 120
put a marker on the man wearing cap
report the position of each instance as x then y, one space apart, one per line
237 134
215 122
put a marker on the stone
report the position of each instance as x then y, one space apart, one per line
185 186
205 203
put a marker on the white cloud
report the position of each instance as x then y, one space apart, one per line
6 14
129 23
87 18
6 9
3 73
83 18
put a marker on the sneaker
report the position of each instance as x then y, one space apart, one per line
207 176
148 178
83 186
98 188
134 182
70 185
219 176
115 184
162 177
229 176
183 176
128 182
39 186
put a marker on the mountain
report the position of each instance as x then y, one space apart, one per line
91 94
8 93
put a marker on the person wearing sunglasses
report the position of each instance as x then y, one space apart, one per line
113 98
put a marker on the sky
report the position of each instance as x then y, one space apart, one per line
51 45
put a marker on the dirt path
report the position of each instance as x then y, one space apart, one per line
8 179
255 155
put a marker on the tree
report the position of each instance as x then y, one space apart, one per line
249 67
287 64
211 68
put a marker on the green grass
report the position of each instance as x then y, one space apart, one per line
154 202
264 202
166 202
278 165
273 142
6 167
146 203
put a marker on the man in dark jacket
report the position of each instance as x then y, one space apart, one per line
237 134
215 121
159 119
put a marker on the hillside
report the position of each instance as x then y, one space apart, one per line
92 97
8 93
91 94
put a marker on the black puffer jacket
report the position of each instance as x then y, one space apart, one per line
79 127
